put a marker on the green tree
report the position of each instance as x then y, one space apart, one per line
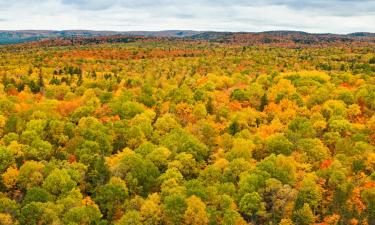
59 182
179 141
130 218
251 204
111 196
304 216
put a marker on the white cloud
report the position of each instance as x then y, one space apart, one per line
335 16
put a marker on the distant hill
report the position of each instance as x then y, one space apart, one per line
21 36
267 37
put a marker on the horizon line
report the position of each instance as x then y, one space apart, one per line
186 30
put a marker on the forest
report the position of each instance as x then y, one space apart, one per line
167 131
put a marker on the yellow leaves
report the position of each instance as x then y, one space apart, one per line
221 99
320 125
266 130
17 149
286 110
3 120
195 213
184 112
371 123
282 88
321 75
370 161
10 177
114 160
221 163
87 201
151 211
30 174
247 118
286 222
6 219
199 111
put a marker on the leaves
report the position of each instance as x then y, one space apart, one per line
177 131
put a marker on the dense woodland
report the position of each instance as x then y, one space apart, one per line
187 132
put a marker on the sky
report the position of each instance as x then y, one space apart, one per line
315 16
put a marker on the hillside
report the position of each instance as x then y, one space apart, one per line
22 36
13 37
216 128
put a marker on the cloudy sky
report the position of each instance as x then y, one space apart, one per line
318 16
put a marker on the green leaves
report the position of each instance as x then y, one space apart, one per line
180 141
6 158
59 182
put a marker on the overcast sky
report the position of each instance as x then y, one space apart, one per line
318 16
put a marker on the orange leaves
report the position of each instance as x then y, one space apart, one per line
65 108
10 177
87 201
235 106
369 184
354 221
22 106
331 220
355 202
107 119
72 159
12 91
202 81
325 164
104 114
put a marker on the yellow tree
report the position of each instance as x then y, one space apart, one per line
195 213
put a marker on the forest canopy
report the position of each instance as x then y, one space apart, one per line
167 131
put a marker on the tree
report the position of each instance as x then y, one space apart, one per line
195 213
314 150
174 207
304 216
111 196
279 167
240 95
10 177
151 211
6 219
39 150
37 194
368 196
6 158
279 144
263 102
179 141
9 209
30 175
234 127
242 148
86 214
40 213
251 204
130 218
59 182
137 172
